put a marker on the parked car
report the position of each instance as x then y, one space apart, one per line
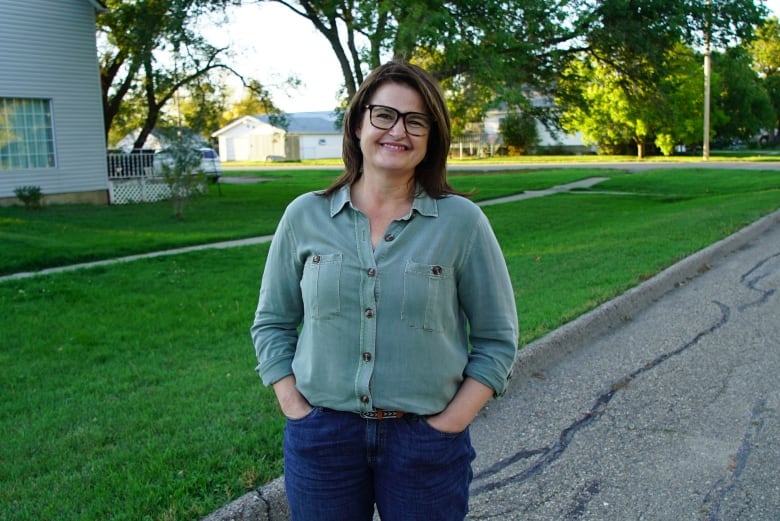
210 164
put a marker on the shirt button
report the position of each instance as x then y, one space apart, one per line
366 357
436 270
371 272
389 237
364 399
315 259
369 313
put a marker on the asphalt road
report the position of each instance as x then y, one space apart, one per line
671 412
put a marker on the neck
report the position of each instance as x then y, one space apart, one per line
373 192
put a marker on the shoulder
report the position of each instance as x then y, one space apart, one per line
457 206
307 202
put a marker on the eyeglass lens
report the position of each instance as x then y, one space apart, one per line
415 123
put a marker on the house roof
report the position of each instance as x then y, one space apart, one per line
248 121
308 122
99 5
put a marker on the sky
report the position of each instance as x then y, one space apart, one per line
271 43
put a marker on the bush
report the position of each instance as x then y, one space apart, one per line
30 196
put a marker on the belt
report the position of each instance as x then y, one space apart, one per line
381 414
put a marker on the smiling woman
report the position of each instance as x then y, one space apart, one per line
391 263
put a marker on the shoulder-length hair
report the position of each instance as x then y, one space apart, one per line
431 173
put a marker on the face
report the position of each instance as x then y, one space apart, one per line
393 150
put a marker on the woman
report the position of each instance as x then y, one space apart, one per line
407 318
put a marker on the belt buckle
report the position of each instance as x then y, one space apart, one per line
381 414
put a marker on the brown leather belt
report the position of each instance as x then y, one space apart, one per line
381 414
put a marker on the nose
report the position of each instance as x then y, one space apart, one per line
399 127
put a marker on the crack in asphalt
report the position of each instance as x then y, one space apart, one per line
553 452
714 497
755 275
547 455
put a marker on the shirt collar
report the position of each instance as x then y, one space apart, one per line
423 203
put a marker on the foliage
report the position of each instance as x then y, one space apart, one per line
611 109
519 132
765 51
30 196
202 103
742 96
149 51
505 52
180 168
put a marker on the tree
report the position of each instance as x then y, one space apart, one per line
765 50
149 52
492 52
611 110
742 97
518 129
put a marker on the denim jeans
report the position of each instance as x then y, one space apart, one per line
337 465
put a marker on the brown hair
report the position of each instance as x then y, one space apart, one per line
431 173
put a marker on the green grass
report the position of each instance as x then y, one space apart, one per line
69 234
128 391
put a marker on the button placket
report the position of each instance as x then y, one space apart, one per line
368 303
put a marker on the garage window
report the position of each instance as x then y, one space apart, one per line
26 133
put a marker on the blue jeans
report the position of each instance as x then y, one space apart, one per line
337 465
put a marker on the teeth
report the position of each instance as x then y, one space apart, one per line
396 147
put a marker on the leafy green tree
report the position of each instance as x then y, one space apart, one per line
149 51
742 97
611 110
518 129
765 50
497 51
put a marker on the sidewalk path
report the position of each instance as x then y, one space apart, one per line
585 183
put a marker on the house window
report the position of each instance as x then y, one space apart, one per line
26 133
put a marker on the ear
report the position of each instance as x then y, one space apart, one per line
358 131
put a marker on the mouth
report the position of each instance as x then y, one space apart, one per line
394 146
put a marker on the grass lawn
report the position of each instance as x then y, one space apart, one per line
128 391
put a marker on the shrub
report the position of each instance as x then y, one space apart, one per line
30 196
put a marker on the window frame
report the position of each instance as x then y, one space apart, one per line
27 125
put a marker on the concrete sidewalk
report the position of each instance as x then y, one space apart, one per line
585 183
661 404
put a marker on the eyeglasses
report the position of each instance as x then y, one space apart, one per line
384 118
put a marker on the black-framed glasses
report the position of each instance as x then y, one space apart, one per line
384 118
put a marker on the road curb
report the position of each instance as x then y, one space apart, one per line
269 503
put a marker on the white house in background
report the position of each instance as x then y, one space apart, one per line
51 115
163 137
309 135
572 143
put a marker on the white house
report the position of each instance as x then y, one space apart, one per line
309 135
560 141
51 119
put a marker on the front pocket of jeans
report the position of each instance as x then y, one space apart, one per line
429 293
320 286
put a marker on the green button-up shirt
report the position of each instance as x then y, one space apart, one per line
397 327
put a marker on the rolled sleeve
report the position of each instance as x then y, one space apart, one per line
280 308
486 294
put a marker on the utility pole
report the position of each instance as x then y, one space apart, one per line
707 81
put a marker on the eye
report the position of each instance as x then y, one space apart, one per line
415 121
384 114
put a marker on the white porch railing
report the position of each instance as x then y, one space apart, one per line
131 178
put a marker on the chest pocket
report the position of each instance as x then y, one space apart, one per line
320 286
430 297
